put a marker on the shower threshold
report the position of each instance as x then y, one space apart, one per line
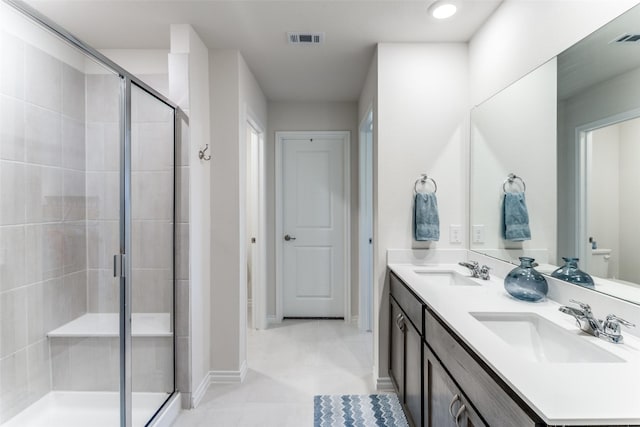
86 408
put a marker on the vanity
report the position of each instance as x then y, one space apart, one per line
464 353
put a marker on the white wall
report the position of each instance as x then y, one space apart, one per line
312 116
522 34
234 92
189 61
149 65
422 121
225 210
515 132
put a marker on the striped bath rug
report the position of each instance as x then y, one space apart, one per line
383 410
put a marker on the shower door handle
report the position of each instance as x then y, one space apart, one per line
119 265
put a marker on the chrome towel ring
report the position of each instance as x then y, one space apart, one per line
423 180
511 179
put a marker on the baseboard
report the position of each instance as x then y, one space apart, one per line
384 384
271 319
198 394
218 377
226 377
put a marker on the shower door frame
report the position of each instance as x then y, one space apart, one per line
122 260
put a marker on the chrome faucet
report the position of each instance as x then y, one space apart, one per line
608 329
476 270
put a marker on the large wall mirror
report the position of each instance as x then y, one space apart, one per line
561 149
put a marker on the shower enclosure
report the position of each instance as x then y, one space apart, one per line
87 214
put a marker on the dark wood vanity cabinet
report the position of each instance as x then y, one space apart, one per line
440 382
405 357
397 349
444 404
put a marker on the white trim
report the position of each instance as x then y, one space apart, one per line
259 286
346 138
226 377
199 393
279 248
365 224
218 377
169 413
250 304
354 319
384 384
272 319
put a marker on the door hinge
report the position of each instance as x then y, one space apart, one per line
119 267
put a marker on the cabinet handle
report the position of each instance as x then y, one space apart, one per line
459 414
400 322
456 398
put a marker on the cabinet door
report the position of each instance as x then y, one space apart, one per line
396 348
444 403
413 374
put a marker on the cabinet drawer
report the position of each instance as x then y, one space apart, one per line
410 304
495 403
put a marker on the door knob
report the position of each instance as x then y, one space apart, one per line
287 237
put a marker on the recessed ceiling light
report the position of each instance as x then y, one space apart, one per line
442 9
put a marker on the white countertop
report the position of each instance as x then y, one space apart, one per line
560 393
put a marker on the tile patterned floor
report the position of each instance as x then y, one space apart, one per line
289 364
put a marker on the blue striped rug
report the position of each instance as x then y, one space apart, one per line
383 410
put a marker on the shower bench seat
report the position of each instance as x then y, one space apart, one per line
85 353
107 325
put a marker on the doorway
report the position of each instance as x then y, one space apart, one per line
312 225
608 175
255 226
365 221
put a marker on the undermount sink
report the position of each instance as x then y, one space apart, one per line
446 278
540 340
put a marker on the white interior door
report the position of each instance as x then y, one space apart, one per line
313 225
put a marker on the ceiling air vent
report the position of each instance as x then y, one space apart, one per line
627 38
305 38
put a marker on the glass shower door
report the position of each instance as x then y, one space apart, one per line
152 249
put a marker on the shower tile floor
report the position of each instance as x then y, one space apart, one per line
287 365
82 409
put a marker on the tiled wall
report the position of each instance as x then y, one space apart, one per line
43 261
103 190
152 203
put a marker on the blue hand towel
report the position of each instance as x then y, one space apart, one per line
516 218
425 217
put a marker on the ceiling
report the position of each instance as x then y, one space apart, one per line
334 71
595 58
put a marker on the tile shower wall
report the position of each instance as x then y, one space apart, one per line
152 212
43 260
103 190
